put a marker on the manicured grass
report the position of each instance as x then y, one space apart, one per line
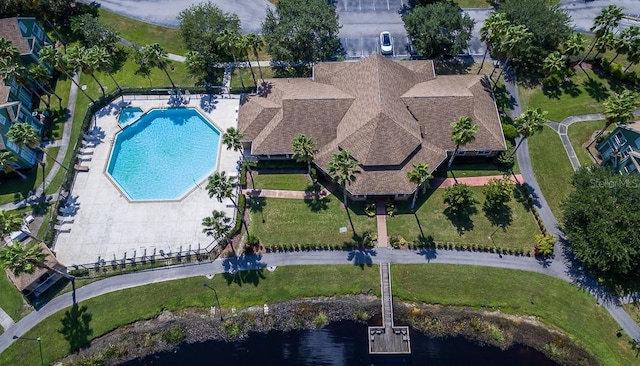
580 95
473 3
633 309
430 220
291 182
475 170
142 33
247 78
553 301
551 167
11 300
296 221
100 315
580 134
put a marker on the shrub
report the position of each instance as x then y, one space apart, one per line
370 209
391 208
173 335
544 244
81 272
239 215
243 176
253 240
506 158
509 131
320 320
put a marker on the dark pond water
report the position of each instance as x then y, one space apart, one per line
340 343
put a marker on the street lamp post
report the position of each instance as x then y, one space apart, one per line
39 340
217 300
500 226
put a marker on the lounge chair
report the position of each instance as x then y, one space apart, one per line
88 144
86 151
80 168
65 219
63 228
90 137
84 157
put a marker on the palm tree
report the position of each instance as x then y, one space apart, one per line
9 222
529 123
604 43
304 150
229 40
514 36
624 41
243 48
632 36
218 226
6 158
106 62
23 134
51 56
21 259
221 186
492 31
87 60
343 169
11 68
7 50
463 133
156 56
555 64
255 42
419 175
618 108
574 45
196 65
604 23
41 76
232 139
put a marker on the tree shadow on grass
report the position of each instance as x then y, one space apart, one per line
317 204
75 327
596 90
257 205
498 215
461 219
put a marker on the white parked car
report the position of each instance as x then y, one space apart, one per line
386 47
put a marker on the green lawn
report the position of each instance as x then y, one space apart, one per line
100 315
580 134
291 182
296 221
142 33
432 220
579 96
551 167
475 170
633 309
553 301
473 3
11 300
247 78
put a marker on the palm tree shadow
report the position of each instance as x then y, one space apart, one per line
75 327
256 205
243 270
317 204
596 89
361 257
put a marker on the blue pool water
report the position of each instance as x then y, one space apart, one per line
164 154
128 114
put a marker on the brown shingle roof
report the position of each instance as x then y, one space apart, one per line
389 114
25 279
10 31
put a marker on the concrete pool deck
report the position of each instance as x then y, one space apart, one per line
107 227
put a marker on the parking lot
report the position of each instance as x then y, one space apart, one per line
369 5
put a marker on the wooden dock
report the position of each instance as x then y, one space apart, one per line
388 339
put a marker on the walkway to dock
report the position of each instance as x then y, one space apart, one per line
388 339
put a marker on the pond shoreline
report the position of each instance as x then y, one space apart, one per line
168 330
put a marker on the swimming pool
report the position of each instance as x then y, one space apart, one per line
128 114
164 154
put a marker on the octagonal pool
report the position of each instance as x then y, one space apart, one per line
164 154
